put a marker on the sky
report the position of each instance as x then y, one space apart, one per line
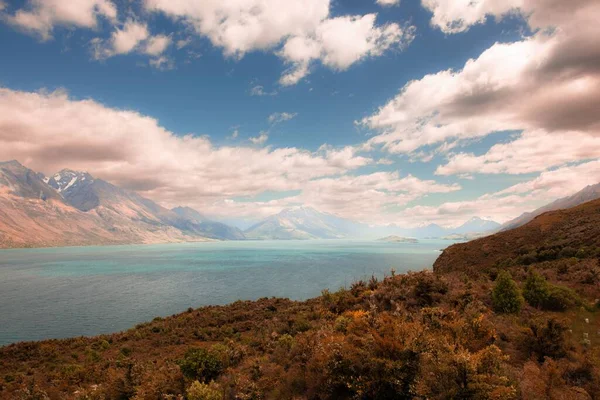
408 112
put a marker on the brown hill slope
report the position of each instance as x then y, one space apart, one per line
550 236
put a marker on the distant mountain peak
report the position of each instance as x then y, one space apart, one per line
68 179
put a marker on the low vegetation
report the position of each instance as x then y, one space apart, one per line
511 330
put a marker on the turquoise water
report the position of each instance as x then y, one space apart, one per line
64 292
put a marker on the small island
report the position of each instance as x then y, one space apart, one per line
398 239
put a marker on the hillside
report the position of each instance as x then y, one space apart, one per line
550 236
589 193
468 330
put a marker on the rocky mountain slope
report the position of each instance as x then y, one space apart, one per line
589 193
74 208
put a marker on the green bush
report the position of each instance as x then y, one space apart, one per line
536 289
506 297
201 364
539 293
202 391
561 298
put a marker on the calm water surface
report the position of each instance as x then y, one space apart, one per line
64 292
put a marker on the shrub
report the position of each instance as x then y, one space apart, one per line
567 252
582 253
527 259
506 297
202 391
560 299
548 340
536 289
201 364
341 324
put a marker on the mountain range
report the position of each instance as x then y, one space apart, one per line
589 193
73 208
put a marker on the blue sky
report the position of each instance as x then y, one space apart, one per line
223 88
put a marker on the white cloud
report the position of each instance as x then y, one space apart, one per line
162 63
509 203
260 139
183 43
122 41
340 42
259 90
366 197
243 26
453 16
41 16
276 118
533 151
303 27
388 3
50 131
156 45
547 85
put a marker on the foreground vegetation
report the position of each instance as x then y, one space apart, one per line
510 330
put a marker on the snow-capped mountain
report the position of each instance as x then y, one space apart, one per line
300 223
74 208
77 188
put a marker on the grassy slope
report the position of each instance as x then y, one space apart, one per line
417 335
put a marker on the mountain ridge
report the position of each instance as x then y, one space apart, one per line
74 208
590 192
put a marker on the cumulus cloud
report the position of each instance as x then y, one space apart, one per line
156 45
547 85
50 131
509 203
366 197
42 16
388 3
276 118
260 139
532 152
122 41
134 36
340 42
304 28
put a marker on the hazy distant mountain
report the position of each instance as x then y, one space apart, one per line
193 220
308 223
589 193
300 223
74 208
476 225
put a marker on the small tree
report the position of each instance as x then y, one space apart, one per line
201 365
202 391
536 289
506 297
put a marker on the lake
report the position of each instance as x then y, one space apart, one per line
74 291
